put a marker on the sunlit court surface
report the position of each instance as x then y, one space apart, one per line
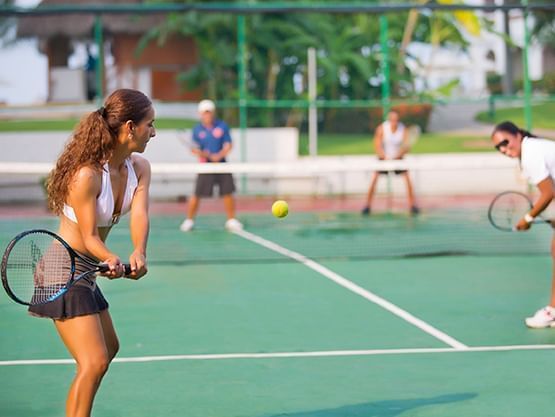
324 313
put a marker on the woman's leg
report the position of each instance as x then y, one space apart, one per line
110 336
371 191
85 341
410 191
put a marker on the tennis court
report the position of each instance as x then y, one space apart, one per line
325 313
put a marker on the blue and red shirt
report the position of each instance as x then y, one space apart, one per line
212 139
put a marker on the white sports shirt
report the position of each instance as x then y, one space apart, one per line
537 159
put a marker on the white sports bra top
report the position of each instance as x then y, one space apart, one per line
105 205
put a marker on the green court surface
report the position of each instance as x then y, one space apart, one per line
317 315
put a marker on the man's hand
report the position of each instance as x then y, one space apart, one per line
215 157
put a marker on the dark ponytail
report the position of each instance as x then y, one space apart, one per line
511 128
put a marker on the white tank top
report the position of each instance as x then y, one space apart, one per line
105 205
392 141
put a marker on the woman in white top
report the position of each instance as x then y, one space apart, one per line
391 142
96 179
537 161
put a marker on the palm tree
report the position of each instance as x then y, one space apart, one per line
277 50
440 28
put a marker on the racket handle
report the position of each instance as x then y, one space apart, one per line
105 267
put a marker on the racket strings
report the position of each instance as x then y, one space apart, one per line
508 209
38 268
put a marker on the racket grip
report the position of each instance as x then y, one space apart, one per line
104 268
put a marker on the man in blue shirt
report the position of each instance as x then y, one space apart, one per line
212 143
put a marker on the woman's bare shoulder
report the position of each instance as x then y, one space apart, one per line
87 175
140 164
86 180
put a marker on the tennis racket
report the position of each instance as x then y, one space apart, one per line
38 266
413 134
508 207
186 138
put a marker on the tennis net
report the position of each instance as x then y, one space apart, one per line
325 196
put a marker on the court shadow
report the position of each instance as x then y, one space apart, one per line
389 408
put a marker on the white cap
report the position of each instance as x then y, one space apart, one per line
206 105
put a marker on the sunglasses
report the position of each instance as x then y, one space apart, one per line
502 144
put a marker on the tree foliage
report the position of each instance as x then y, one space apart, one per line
349 54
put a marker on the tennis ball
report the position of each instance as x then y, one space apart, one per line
280 209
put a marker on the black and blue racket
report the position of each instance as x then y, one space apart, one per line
508 207
38 266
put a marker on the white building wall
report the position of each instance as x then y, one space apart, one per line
471 67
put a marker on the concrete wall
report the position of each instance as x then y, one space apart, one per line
262 145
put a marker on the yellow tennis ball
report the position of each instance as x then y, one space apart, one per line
280 208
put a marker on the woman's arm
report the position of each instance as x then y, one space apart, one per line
82 196
139 223
405 145
378 142
545 188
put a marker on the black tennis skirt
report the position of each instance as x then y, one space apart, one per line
84 297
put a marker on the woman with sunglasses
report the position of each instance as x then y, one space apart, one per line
537 161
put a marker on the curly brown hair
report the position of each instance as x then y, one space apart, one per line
93 141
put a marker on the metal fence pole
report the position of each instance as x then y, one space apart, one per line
242 68
384 38
312 110
99 70
526 75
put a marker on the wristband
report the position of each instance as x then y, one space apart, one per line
528 218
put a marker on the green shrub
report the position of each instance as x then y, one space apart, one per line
410 114
549 82
494 83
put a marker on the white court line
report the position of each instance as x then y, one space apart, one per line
351 286
277 355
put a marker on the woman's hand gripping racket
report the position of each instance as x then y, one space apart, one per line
38 266
508 208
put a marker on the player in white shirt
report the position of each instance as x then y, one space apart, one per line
391 142
537 161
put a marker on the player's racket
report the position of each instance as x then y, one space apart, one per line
186 138
413 134
38 266
508 207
